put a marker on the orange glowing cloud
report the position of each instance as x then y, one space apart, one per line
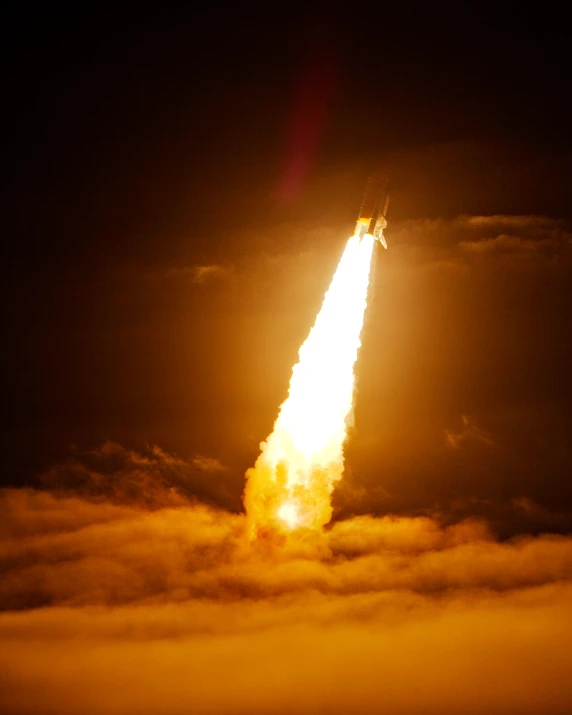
116 608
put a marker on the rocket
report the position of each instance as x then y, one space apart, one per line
373 209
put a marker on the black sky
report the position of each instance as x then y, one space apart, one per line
140 147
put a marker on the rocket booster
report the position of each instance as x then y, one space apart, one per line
373 209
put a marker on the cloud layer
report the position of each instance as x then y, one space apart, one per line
128 608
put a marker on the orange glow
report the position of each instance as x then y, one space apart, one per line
288 513
292 481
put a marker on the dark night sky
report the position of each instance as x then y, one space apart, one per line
142 149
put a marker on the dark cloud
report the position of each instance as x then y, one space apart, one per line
207 464
504 239
151 478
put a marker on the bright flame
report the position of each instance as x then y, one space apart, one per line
289 514
294 476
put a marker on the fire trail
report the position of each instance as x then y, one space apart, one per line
292 481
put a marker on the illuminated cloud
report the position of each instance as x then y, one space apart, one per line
458 242
469 432
207 464
170 607
211 272
514 223
151 477
67 551
174 611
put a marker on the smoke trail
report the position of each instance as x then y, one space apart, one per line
293 478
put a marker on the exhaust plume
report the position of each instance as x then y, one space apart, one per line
292 481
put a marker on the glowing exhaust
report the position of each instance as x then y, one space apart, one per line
292 481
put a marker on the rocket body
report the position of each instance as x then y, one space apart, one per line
372 216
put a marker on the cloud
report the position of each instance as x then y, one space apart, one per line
351 654
538 514
448 244
455 244
204 274
201 274
502 244
470 433
151 477
111 606
207 464
510 247
524 222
